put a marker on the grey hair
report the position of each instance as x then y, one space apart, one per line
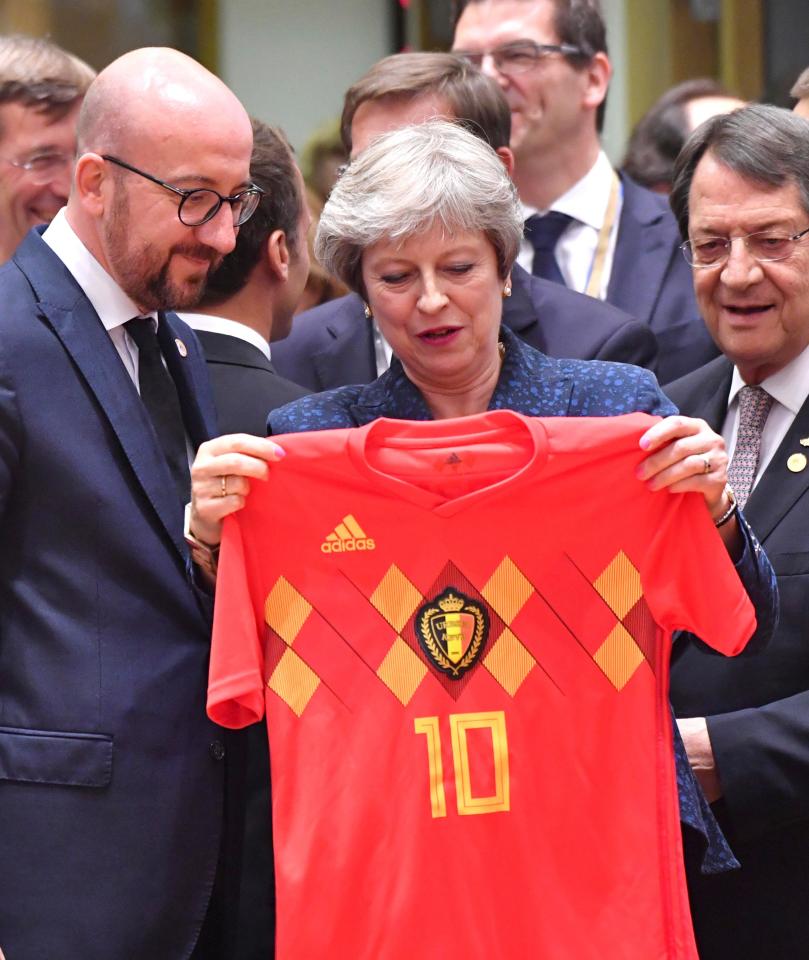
407 181
764 144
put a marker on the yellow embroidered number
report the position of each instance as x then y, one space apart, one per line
459 725
429 727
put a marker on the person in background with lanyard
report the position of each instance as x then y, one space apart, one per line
585 227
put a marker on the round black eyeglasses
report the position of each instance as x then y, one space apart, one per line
202 204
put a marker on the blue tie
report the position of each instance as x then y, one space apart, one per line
542 232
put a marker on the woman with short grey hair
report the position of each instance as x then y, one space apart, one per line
410 179
425 226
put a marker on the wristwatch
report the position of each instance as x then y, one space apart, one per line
205 555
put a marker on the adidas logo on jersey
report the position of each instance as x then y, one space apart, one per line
347 537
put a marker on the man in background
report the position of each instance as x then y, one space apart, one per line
338 343
251 298
586 227
660 134
41 90
249 302
741 196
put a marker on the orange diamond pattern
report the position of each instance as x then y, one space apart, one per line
619 656
396 598
507 590
401 671
619 585
293 681
509 662
285 610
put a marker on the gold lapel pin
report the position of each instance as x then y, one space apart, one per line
796 462
181 347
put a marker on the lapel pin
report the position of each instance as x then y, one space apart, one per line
181 347
796 462
804 442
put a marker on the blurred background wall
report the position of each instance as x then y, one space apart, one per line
291 60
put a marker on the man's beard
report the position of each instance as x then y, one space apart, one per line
146 279
157 291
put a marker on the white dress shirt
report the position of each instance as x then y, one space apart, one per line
108 300
229 328
789 388
586 202
383 351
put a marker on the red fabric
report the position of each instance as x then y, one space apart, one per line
582 859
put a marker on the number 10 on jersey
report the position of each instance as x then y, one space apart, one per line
459 726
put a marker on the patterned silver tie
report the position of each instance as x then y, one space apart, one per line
754 405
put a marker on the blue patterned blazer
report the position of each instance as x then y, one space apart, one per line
530 382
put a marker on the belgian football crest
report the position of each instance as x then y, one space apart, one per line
452 630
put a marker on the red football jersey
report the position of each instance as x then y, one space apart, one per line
460 631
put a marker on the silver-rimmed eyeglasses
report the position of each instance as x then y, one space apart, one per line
42 167
764 245
202 204
519 56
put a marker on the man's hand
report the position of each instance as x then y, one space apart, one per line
220 479
694 732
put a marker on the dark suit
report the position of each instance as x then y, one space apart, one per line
246 385
111 775
651 280
332 345
246 388
758 720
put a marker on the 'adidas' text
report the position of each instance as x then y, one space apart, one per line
347 537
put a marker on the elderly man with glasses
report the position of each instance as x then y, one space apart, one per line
113 783
587 227
41 89
741 196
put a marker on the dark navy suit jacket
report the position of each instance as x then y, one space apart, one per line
246 385
332 345
758 719
111 775
651 280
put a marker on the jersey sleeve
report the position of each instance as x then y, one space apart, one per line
689 579
235 685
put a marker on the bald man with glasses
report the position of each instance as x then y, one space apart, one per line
116 798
